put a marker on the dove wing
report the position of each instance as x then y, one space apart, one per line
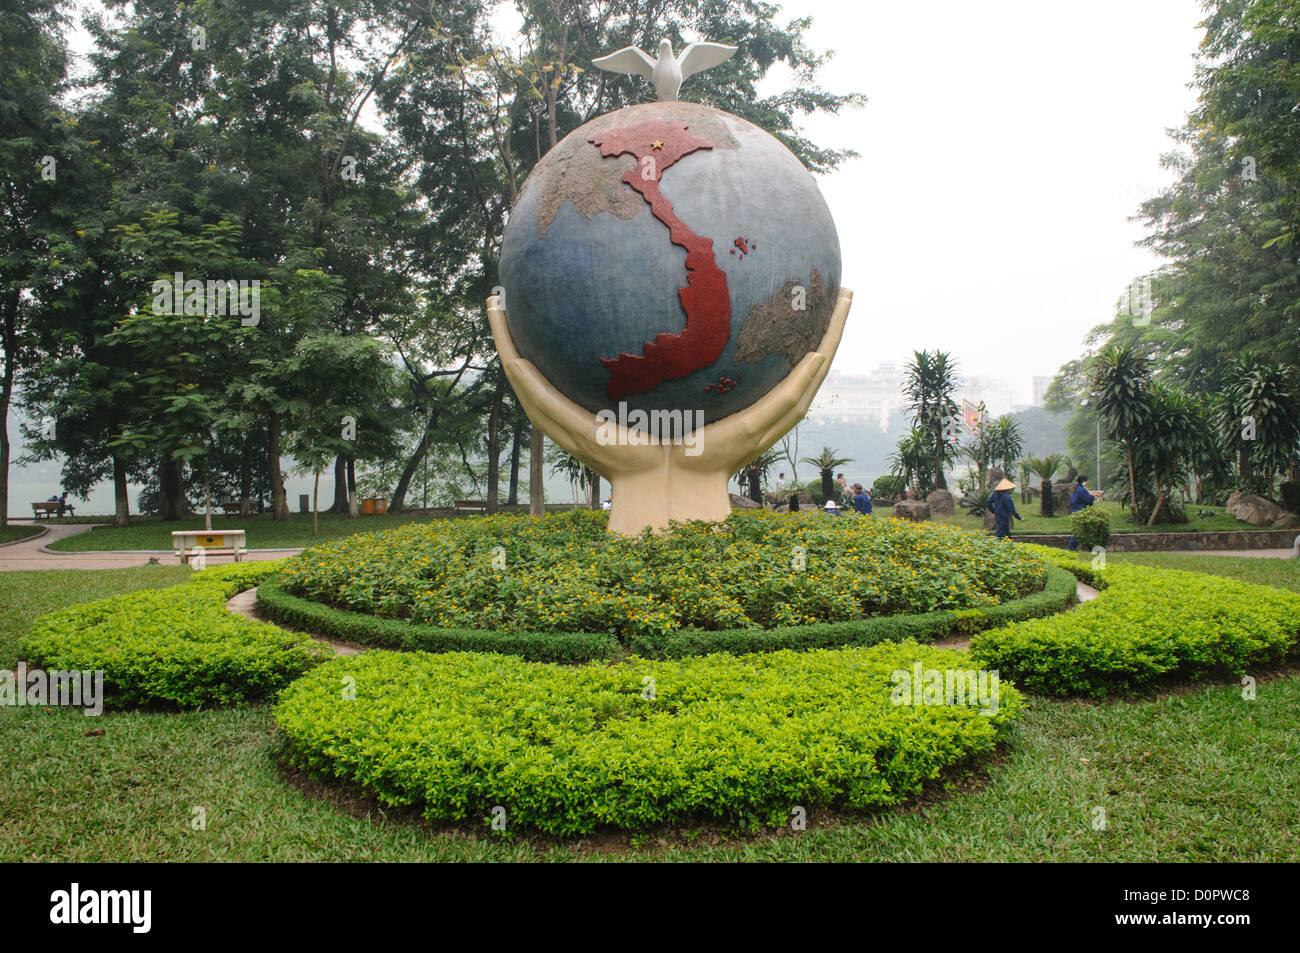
701 56
627 60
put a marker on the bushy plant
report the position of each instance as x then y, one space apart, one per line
888 487
177 646
567 574
1289 491
567 751
1147 626
1091 527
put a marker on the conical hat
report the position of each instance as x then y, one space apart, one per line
1005 485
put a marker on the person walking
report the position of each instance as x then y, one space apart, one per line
1079 499
861 500
1003 506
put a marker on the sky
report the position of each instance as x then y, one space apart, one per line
1003 148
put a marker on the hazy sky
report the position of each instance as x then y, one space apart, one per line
1003 149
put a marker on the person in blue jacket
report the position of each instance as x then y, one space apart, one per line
1003 507
1082 497
861 500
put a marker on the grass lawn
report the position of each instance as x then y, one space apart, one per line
1199 775
10 534
149 532
1036 524
1282 573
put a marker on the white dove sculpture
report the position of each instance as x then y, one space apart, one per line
667 72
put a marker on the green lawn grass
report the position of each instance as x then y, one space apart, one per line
10 534
262 532
1201 775
1282 573
1036 524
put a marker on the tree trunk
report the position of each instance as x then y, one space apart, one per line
593 499
315 505
340 504
536 491
171 490
398 502
279 501
516 442
246 480
207 500
352 488
828 486
1132 489
1048 505
754 479
494 448
1155 510
1244 475
121 502
10 342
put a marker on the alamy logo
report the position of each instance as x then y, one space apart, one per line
102 906
640 428
951 686
210 297
78 689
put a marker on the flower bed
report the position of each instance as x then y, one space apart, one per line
567 574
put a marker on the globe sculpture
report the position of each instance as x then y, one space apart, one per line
670 295
670 257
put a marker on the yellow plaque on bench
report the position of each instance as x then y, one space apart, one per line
210 541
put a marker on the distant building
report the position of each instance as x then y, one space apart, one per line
874 396
1040 388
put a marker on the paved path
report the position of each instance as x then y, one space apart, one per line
245 604
30 553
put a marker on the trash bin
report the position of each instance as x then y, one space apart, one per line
368 507
381 505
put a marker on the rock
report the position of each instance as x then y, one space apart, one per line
989 522
743 502
912 510
1258 511
941 503
1061 493
995 477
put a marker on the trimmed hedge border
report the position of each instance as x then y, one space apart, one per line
176 646
1148 627
329 622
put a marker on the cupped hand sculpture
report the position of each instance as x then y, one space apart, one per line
661 482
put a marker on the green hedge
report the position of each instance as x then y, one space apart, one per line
299 613
296 612
1147 627
176 646
569 750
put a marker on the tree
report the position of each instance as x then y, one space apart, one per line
826 462
1121 382
1005 442
929 382
1259 420
1045 468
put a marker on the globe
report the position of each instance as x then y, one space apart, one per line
669 257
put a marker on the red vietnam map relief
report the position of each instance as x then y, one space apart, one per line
656 145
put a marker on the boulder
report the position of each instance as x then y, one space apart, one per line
941 503
1061 493
1258 511
995 477
743 502
989 522
912 510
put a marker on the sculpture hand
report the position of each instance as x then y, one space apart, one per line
652 485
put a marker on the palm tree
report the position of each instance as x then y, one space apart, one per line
755 471
826 462
1006 442
1121 380
1045 468
911 460
1259 418
930 381
1178 437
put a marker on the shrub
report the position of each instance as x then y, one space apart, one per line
566 751
178 645
888 487
1147 626
567 574
1289 490
1091 527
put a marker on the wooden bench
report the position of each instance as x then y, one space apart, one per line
48 509
471 506
193 542
231 508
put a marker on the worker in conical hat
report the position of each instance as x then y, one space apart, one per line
1003 506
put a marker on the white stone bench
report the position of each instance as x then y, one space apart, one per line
194 542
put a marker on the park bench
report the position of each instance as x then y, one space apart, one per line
190 542
231 507
471 506
47 509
